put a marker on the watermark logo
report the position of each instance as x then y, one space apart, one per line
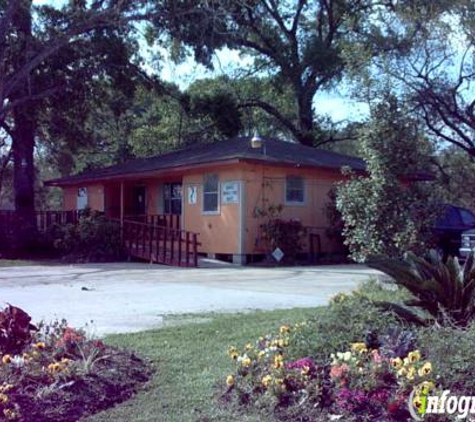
422 403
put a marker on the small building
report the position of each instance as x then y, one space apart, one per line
219 190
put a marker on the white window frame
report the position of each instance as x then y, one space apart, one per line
218 194
85 204
304 193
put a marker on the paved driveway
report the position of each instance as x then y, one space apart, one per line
126 297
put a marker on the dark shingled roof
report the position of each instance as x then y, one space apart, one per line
276 152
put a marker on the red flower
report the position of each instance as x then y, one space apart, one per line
70 335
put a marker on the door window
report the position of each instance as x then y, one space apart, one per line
172 193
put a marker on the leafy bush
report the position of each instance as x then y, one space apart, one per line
61 375
452 352
443 291
378 208
286 235
276 232
348 318
94 238
15 330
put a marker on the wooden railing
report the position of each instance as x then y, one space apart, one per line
9 220
172 221
160 244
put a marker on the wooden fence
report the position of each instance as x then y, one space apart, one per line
160 244
9 220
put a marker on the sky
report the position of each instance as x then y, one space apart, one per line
338 106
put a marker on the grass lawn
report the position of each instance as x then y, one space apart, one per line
26 262
189 360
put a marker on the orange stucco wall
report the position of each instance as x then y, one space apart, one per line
95 197
219 233
265 186
235 228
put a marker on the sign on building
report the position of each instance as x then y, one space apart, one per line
192 195
230 192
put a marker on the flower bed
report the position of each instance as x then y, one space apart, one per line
372 380
55 373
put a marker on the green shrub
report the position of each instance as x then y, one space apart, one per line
378 208
94 238
444 292
286 235
276 232
347 319
452 352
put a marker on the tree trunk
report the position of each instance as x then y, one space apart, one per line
305 116
23 145
23 134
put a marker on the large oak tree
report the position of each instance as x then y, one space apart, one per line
299 43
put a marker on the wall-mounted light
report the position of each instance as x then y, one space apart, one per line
256 141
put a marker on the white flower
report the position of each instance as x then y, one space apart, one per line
18 361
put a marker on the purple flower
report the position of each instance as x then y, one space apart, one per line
380 395
302 363
351 400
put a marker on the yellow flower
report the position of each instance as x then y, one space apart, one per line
359 347
246 362
248 346
278 361
10 414
6 359
54 367
406 362
425 387
266 381
402 372
414 356
426 369
417 401
411 373
65 361
396 363
230 381
283 342
3 398
340 297
279 382
284 329
261 354
5 388
39 345
305 370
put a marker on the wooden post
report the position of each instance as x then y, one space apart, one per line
187 249
195 249
172 248
164 249
179 249
121 203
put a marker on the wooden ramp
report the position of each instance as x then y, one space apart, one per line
160 244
